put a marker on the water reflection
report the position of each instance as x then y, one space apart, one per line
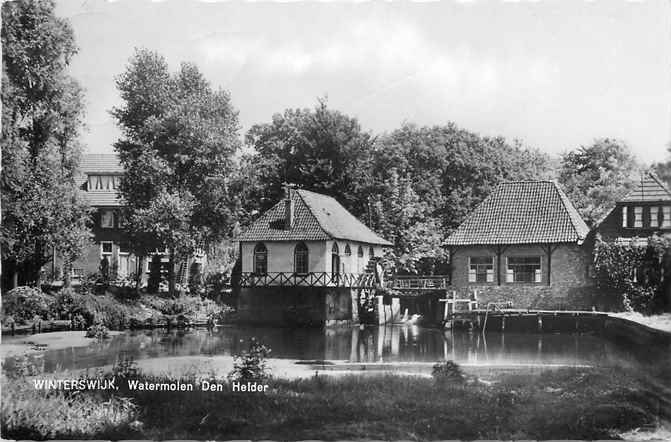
371 344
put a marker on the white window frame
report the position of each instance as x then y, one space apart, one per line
638 217
654 216
473 274
666 216
624 216
102 250
510 274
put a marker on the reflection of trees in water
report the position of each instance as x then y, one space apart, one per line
368 344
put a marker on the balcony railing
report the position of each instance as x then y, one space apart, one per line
411 282
312 279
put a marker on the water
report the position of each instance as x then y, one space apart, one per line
372 344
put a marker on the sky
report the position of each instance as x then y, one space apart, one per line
554 74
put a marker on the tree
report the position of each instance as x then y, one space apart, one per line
451 169
322 150
179 137
42 112
596 176
663 169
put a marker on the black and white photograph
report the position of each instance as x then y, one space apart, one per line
335 221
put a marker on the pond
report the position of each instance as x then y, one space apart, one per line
389 344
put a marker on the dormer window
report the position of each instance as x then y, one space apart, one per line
102 183
107 219
638 216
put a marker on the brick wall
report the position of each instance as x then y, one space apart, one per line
570 285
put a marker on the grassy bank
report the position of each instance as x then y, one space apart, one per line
562 404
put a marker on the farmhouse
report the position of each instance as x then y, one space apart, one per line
306 260
525 244
645 211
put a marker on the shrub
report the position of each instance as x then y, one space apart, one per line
251 365
98 331
25 303
448 372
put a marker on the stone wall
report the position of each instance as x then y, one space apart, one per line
309 306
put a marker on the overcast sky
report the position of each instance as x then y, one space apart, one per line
555 74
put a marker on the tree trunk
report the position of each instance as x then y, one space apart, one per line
15 278
171 274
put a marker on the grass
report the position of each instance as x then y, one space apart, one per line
561 404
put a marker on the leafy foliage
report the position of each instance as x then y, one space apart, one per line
318 149
251 365
596 176
448 372
42 113
635 273
179 136
98 331
25 303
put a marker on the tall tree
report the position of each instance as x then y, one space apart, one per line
42 112
596 176
320 149
179 138
452 169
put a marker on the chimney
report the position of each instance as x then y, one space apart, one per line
288 209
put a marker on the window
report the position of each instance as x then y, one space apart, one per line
481 269
523 269
666 216
301 258
624 216
260 259
371 252
638 216
654 217
106 249
348 251
107 219
359 252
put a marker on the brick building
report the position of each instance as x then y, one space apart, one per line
99 179
525 244
307 259
646 210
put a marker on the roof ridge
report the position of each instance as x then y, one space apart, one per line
571 210
327 233
654 176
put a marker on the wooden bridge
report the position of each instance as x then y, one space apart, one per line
419 283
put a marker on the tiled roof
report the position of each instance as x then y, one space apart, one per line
648 189
104 199
317 217
522 212
101 163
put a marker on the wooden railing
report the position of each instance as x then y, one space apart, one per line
412 282
313 279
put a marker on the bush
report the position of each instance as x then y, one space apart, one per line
98 331
447 372
251 365
25 303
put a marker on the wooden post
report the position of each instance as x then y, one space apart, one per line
503 323
540 323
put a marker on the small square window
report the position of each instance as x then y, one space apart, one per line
481 269
106 248
624 216
666 216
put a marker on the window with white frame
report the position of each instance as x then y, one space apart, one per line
106 250
523 269
666 216
107 219
481 269
638 216
654 217
624 216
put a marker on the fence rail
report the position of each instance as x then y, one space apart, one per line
312 279
436 282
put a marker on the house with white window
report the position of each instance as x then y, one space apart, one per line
525 244
643 212
307 259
